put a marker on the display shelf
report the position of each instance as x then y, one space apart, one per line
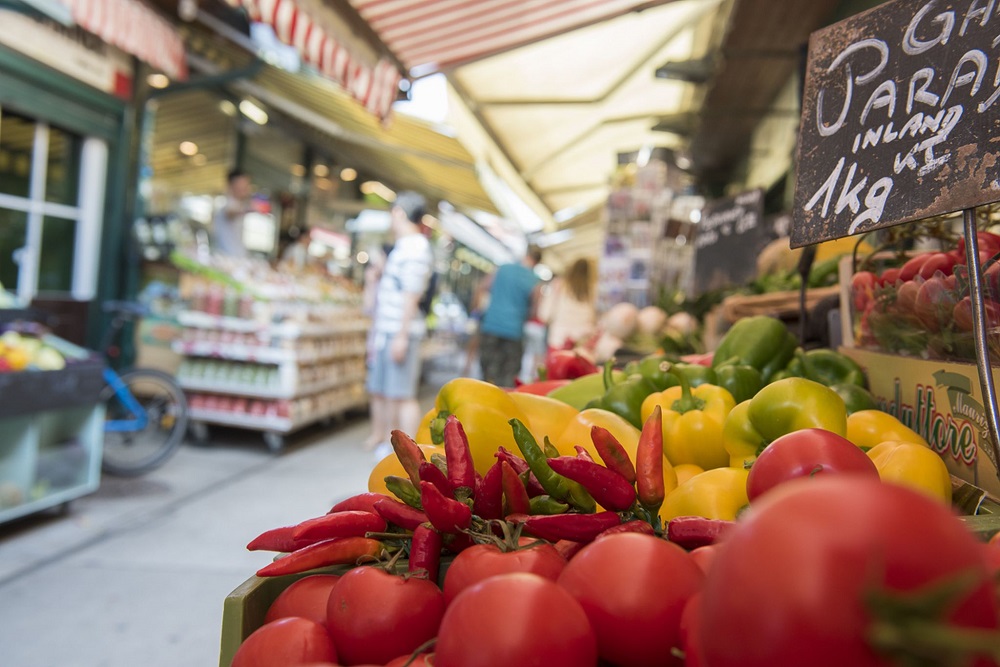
274 423
262 354
251 391
48 458
200 320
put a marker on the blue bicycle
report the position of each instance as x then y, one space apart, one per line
146 412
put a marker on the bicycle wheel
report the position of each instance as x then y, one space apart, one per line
129 449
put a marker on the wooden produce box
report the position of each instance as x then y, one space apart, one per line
776 304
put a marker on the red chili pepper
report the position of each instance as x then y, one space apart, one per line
516 462
649 463
612 453
408 453
568 548
582 453
351 523
446 514
576 527
400 514
911 268
634 526
608 488
362 501
338 551
461 469
488 503
425 552
515 495
692 532
278 539
531 484
431 473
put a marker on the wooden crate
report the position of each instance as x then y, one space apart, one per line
775 304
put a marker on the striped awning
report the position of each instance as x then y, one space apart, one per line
375 85
135 29
428 36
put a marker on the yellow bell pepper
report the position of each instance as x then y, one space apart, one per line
692 423
546 416
867 428
719 493
916 466
390 465
686 471
423 434
484 410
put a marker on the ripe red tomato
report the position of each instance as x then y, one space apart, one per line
633 588
286 641
374 616
689 632
791 582
422 660
515 619
305 598
703 556
806 453
935 303
486 560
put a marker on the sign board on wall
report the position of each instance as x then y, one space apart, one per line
728 239
900 115
72 51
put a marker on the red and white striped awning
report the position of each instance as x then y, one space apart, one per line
428 36
374 86
135 29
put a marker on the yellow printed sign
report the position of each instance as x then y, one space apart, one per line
943 402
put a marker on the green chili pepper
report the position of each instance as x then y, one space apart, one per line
546 505
404 489
554 484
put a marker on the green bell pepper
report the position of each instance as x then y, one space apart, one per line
624 398
583 390
856 398
824 366
761 341
740 380
781 407
655 368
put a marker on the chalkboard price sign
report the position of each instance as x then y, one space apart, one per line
730 235
900 118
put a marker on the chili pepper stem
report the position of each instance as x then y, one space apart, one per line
423 648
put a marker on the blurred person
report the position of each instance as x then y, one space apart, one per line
513 292
567 307
397 325
227 225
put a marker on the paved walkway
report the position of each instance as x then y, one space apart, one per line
136 574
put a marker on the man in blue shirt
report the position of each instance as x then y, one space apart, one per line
512 299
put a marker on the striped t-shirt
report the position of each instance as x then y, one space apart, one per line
407 270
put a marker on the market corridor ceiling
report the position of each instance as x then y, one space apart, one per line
564 86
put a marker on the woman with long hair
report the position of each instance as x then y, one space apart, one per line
568 306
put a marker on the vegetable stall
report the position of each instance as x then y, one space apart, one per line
761 504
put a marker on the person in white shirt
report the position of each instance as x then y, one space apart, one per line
398 326
227 225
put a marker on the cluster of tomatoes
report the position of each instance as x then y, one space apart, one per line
927 300
832 570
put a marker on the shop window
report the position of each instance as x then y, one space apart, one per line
13 229
62 179
51 201
55 271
